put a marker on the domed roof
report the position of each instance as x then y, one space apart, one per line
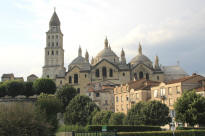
80 61
106 52
140 58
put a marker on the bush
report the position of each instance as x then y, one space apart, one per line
164 133
69 128
117 119
124 128
14 88
190 128
2 89
44 85
21 119
101 118
28 91
50 105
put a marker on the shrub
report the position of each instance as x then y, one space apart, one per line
44 85
2 89
28 91
21 119
190 128
123 128
14 88
117 119
101 118
164 133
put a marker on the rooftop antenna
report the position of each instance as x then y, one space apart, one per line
54 9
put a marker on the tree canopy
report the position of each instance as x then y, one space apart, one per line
14 87
190 108
79 110
44 85
116 119
102 118
66 94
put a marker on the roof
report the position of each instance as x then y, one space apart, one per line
173 70
140 58
18 78
142 84
200 89
7 75
32 75
54 20
81 63
183 79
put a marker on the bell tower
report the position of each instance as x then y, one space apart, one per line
54 52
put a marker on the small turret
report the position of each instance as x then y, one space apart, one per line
156 64
109 47
87 56
54 21
79 51
123 59
140 49
92 61
106 42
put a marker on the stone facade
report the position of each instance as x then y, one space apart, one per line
7 77
131 93
168 92
31 78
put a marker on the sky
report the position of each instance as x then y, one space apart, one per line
172 29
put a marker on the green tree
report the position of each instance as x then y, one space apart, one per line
28 91
156 113
79 110
190 108
44 85
14 88
66 94
2 89
21 119
50 105
102 118
117 119
135 115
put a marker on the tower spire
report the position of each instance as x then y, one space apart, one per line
79 51
156 64
87 56
123 59
140 49
106 42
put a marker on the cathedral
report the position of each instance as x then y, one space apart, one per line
105 67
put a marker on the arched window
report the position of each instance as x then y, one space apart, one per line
52 44
147 76
135 76
123 74
47 76
48 44
52 36
104 72
78 90
48 36
56 36
70 79
97 73
48 52
56 52
85 75
157 77
61 82
141 75
75 78
111 73
52 52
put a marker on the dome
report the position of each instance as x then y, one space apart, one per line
140 58
54 20
107 54
81 63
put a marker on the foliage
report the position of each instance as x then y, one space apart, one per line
190 108
124 128
14 88
65 94
28 91
50 105
2 89
21 119
117 119
69 128
44 85
135 115
156 113
190 128
79 110
164 133
102 118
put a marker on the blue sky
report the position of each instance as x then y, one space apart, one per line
172 29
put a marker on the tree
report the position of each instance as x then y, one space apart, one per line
28 91
50 105
2 89
156 113
116 119
44 85
190 108
79 110
66 94
21 119
135 115
102 118
14 88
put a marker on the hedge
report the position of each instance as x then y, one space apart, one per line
165 133
124 128
190 128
